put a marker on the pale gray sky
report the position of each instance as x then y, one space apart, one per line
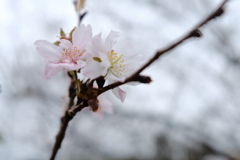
189 85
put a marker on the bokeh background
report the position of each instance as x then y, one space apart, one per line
189 112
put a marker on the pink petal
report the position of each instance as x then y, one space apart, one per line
104 104
48 51
51 70
98 113
120 94
72 66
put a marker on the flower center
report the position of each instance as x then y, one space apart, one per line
117 63
71 55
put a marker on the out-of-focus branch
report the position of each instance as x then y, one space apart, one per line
210 150
60 136
79 8
73 111
195 32
67 117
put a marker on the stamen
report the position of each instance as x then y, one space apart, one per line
71 55
117 63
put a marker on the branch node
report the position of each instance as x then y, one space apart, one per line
196 33
218 13
143 79
93 103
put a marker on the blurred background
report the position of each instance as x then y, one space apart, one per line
189 112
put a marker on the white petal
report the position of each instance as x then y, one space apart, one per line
65 44
133 83
82 35
97 43
112 78
92 69
48 50
93 47
111 40
124 48
120 94
105 60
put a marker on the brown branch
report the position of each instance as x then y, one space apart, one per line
195 32
73 111
207 149
67 117
71 92
60 136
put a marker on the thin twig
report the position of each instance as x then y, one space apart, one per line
61 134
67 117
73 111
195 32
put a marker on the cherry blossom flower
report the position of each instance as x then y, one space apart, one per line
69 54
112 58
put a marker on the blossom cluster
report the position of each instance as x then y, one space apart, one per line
112 58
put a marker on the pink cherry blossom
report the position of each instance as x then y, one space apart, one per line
68 55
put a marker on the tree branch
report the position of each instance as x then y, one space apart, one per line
61 134
67 117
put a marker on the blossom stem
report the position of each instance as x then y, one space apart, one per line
77 82
75 74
